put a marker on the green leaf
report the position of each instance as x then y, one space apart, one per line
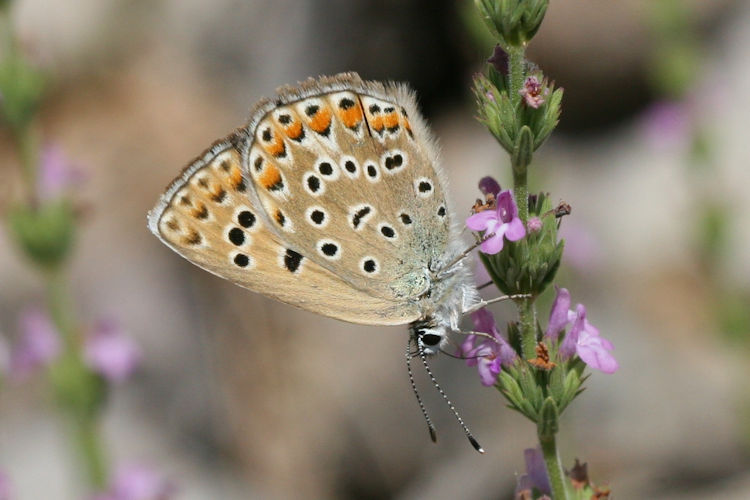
523 149
548 423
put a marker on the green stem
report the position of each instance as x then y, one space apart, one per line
75 385
521 193
516 75
554 467
516 62
60 307
92 452
26 142
527 326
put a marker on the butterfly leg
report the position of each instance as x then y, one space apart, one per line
462 256
485 303
478 334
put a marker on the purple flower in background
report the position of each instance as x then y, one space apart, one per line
499 60
4 486
533 92
38 345
56 174
111 352
489 355
666 124
535 476
503 222
488 185
582 249
138 482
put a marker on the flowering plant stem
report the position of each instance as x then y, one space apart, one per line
91 451
554 467
526 307
516 61
84 423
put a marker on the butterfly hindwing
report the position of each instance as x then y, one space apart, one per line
207 216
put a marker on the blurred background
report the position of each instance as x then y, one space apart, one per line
236 396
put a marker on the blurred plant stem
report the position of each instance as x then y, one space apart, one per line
28 147
43 229
91 450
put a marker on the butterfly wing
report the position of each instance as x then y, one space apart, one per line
346 171
207 217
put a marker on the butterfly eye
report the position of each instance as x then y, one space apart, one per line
431 339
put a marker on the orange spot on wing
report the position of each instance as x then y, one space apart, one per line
377 123
270 176
294 131
277 147
321 120
235 176
200 211
391 120
351 117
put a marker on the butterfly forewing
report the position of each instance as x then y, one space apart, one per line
343 176
207 217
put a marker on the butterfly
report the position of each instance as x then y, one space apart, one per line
331 199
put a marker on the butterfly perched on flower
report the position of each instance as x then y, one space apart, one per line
331 199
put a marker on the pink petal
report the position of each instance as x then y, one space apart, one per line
558 316
488 370
493 245
598 358
594 351
480 221
484 321
515 230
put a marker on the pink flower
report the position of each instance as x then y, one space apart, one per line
111 352
137 482
56 174
559 316
489 355
38 345
499 60
589 345
534 224
536 474
488 185
583 338
533 92
496 224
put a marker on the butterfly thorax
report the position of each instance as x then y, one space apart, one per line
450 293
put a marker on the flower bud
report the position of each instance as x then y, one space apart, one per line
21 87
45 232
512 22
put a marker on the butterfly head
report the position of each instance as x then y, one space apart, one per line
431 334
